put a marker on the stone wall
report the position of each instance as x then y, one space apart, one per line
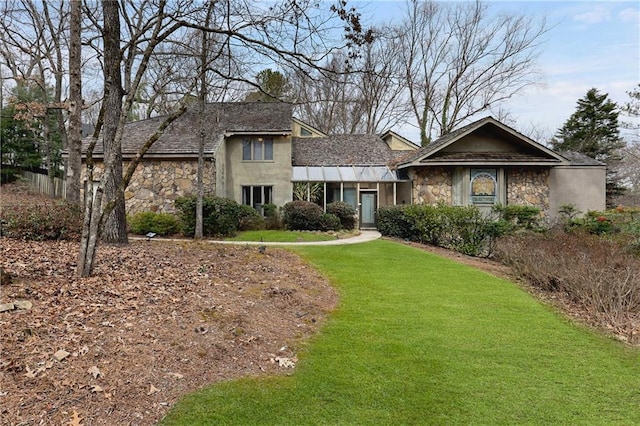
431 185
156 184
529 187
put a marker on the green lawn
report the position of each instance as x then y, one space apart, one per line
282 236
419 339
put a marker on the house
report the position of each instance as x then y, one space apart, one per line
486 163
258 153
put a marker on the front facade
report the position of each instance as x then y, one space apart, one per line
257 153
487 163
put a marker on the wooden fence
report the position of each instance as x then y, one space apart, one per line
43 185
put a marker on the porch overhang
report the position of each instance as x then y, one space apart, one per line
346 174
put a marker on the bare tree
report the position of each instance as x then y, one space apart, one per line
74 160
248 33
629 166
460 60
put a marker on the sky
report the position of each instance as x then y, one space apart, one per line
589 44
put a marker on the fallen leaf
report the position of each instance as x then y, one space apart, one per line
76 420
96 388
285 362
60 355
95 372
177 375
152 390
30 373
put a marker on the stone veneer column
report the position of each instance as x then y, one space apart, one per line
432 185
529 186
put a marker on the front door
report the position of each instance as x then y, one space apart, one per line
367 210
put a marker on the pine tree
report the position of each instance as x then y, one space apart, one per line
593 130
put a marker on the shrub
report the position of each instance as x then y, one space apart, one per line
344 212
464 229
271 216
599 274
8 174
519 216
469 229
158 223
302 215
330 222
56 221
249 219
393 221
221 216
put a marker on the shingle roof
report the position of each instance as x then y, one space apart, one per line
579 159
342 150
182 137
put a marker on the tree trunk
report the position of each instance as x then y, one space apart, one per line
74 161
115 226
199 231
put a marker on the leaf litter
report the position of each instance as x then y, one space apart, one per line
156 321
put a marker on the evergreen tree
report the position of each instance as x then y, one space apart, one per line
593 130
272 86
29 137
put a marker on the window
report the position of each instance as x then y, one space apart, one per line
258 149
257 196
305 132
484 186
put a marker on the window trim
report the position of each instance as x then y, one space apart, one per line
263 146
461 186
266 195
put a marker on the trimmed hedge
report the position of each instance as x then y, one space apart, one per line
463 229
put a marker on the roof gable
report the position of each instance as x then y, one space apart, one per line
486 141
397 142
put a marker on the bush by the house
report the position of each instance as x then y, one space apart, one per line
249 219
54 221
330 222
345 213
598 273
272 218
516 216
393 221
302 215
464 229
158 223
221 216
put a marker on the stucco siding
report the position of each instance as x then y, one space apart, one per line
275 173
583 187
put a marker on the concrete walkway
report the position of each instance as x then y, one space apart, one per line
362 238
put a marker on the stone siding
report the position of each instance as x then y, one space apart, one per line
155 185
529 187
431 185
